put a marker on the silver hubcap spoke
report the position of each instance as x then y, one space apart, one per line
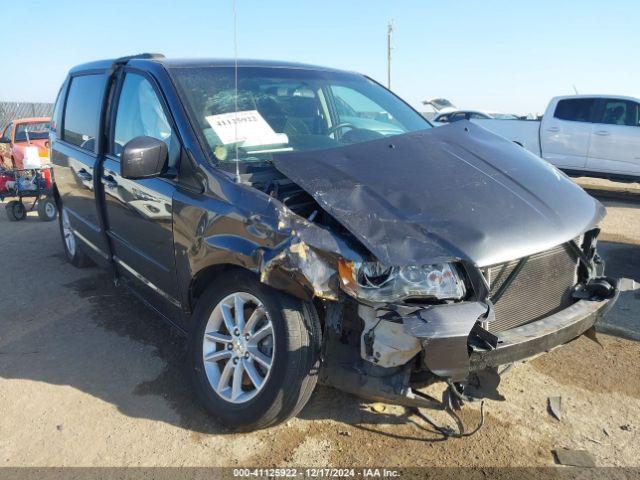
238 347
217 356
228 318
260 334
67 232
262 359
238 307
236 389
218 337
251 370
255 316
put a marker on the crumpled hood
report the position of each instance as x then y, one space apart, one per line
447 193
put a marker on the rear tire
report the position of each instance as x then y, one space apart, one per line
47 210
72 249
282 389
15 211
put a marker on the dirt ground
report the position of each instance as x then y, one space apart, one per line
90 377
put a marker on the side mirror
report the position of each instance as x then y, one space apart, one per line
143 157
5 140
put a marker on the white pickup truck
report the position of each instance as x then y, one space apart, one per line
595 135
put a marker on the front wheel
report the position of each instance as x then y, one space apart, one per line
254 352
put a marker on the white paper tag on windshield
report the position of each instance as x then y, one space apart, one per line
248 128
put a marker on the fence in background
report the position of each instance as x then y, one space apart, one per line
12 110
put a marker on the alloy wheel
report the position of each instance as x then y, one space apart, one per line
238 347
67 233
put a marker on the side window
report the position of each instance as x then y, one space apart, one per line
476 115
443 118
351 105
575 109
620 112
140 113
82 110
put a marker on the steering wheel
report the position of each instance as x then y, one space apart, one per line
340 126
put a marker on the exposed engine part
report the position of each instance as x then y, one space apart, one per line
385 343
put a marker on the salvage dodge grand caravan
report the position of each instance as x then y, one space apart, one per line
300 223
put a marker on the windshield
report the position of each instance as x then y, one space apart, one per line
283 110
31 131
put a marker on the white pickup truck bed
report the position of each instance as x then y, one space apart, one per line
525 133
582 134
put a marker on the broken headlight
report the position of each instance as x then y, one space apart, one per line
375 282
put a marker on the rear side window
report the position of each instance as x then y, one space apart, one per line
82 110
576 109
620 112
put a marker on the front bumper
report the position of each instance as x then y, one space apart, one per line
448 349
540 336
452 349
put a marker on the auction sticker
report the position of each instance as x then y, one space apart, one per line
247 127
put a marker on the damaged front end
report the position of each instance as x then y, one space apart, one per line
503 284
452 322
403 346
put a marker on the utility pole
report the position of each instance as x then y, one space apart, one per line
389 47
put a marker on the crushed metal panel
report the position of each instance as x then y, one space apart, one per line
444 332
453 192
313 273
305 264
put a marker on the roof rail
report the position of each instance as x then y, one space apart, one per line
122 60
125 60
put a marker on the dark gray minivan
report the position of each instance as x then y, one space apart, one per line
301 223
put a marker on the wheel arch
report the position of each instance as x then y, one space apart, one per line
205 276
284 281
56 196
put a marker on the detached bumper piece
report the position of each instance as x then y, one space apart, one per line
541 336
455 344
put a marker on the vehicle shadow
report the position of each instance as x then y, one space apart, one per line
69 350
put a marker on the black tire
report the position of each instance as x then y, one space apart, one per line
296 359
47 209
15 211
77 257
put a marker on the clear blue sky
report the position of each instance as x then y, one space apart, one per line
495 55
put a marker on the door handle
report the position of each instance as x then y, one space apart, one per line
84 175
109 181
602 133
553 129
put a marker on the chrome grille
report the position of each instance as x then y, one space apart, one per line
542 287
